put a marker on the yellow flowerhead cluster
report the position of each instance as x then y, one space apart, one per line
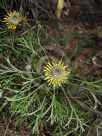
56 73
60 6
13 19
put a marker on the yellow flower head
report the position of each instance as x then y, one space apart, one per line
56 73
13 19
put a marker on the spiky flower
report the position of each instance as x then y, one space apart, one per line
13 19
56 73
